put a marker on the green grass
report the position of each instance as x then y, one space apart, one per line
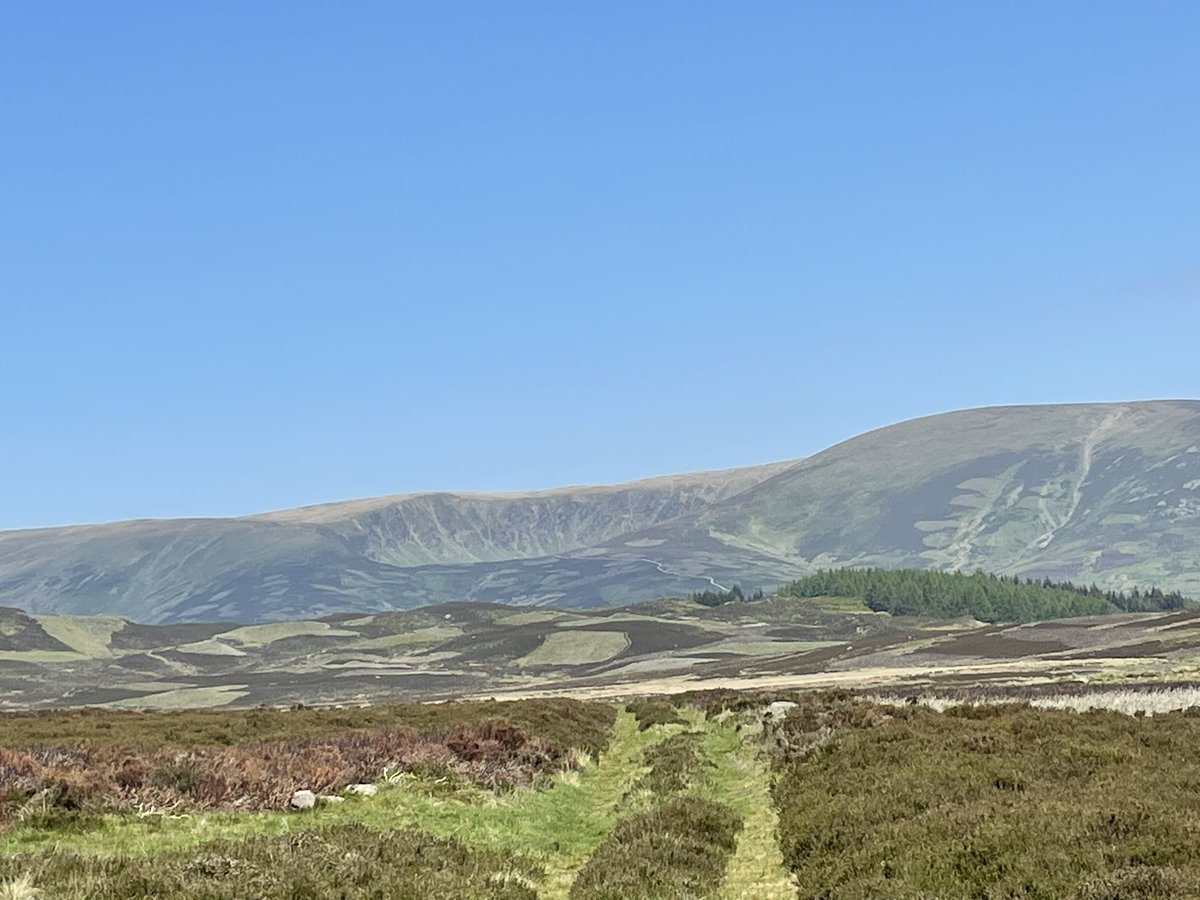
663 802
740 779
867 801
576 648
678 843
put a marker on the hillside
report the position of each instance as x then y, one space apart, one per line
1097 492
1103 493
384 553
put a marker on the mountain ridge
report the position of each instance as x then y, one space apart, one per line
1104 492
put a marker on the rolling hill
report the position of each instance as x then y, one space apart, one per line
1108 493
452 650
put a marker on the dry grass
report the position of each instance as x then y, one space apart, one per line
1140 700
19 888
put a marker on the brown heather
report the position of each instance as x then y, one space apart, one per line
988 802
86 776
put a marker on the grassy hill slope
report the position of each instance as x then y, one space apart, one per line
1103 493
1097 492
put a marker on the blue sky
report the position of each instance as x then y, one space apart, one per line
259 255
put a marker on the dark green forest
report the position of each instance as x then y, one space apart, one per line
988 598
720 598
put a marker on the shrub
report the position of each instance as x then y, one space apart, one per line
537 738
998 802
654 712
675 765
678 849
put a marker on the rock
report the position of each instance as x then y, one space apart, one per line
303 800
331 798
779 709
773 716
367 790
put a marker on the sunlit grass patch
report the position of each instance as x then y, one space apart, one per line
576 648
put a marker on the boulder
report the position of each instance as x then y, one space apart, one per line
779 709
303 799
366 790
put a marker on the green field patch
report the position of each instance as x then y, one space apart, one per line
185 698
678 840
260 635
576 648
88 635
741 780
211 647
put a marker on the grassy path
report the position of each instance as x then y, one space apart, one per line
736 775
741 780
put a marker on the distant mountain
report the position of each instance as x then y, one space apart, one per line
1108 493
385 553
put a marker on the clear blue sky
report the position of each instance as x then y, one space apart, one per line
254 255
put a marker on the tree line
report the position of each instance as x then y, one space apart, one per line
986 597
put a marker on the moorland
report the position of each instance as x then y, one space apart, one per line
852 627
717 794
686 748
